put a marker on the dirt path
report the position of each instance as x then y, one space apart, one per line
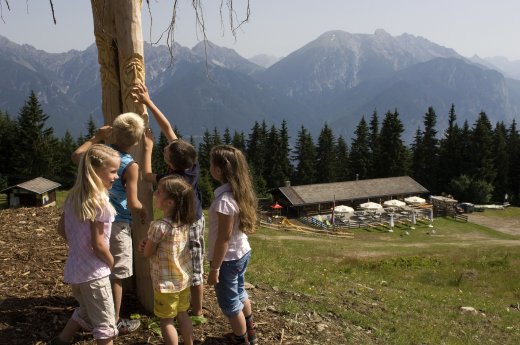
506 225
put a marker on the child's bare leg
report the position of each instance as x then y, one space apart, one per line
247 310
197 292
117 291
186 327
238 324
71 328
169 332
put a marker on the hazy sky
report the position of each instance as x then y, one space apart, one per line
278 27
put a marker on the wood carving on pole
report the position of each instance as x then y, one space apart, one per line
119 39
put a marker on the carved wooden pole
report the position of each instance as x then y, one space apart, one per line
119 39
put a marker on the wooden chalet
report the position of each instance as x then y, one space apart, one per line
36 192
319 198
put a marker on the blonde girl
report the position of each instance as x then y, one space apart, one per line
168 248
85 224
232 216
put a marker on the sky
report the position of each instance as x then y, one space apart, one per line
486 28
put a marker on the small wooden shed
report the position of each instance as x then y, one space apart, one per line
33 193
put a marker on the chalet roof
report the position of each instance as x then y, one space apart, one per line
38 185
352 190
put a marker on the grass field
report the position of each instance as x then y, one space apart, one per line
402 289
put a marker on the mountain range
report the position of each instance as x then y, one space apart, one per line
336 79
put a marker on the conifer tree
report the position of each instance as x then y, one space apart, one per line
206 182
342 160
8 143
206 187
326 156
395 158
360 152
450 152
205 147
513 145
373 144
92 128
215 137
305 156
227 137
465 147
285 152
500 162
65 168
34 142
159 166
274 175
239 141
426 153
481 150
255 153
255 148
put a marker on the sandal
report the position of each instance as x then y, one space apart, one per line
125 326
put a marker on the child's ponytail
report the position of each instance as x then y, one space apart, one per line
181 193
89 196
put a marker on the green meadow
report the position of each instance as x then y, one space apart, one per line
398 288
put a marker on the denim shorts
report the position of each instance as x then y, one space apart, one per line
230 289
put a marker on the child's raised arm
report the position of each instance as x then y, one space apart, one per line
148 141
102 134
140 93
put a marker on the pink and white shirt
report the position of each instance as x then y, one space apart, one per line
225 203
82 263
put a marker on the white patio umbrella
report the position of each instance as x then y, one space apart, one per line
371 206
343 209
394 202
414 200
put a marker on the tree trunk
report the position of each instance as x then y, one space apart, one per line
119 39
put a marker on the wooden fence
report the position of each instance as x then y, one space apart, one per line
461 218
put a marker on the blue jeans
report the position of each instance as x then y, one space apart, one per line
230 289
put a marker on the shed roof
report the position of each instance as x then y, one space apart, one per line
38 185
352 190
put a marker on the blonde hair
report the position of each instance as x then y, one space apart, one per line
235 171
89 196
180 192
127 129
